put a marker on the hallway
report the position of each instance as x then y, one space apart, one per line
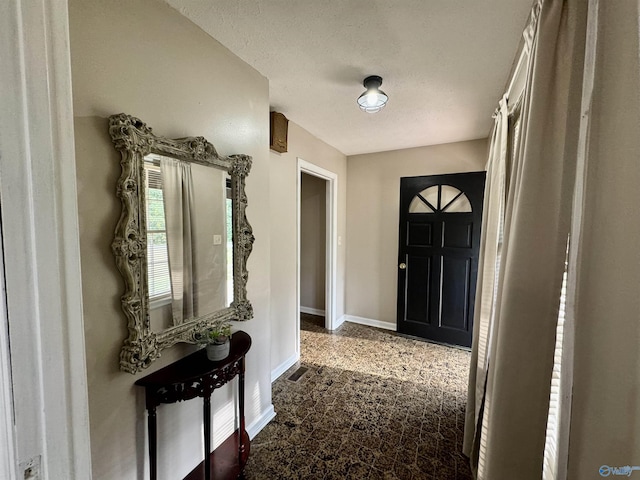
372 405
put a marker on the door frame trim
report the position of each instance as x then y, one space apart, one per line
41 242
331 243
7 432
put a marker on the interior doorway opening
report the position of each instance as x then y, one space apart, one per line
316 245
313 252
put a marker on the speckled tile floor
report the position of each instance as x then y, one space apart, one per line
372 405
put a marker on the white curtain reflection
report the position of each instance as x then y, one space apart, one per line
179 211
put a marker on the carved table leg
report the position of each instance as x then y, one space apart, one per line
207 436
153 448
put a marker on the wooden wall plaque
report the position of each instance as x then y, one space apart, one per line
278 132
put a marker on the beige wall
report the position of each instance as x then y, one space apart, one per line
313 254
373 196
283 168
145 59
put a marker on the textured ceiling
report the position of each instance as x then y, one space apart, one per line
444 63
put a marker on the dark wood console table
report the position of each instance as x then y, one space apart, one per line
197 376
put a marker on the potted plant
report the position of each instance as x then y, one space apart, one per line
217 340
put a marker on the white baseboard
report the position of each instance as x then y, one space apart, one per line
339 322
284 366
312 311
259 423
370 322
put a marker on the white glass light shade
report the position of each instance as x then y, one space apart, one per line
374 99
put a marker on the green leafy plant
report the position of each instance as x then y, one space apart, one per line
217 333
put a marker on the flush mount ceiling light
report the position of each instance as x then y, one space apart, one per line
374 99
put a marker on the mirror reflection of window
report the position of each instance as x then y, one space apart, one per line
158 277
189 243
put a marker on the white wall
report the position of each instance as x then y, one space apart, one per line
313 231
373 197
145 59
283 169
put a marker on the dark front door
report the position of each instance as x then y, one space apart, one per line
440 218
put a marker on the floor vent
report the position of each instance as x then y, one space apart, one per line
297 374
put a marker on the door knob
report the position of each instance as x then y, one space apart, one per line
402 266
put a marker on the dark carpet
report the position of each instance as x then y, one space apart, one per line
371 405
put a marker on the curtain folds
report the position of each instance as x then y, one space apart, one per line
603 296
489 261
527 218
179 212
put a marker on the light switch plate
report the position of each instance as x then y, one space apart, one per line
217 239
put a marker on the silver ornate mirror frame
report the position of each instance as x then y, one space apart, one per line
134 139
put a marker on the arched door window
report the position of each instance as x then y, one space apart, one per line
440 199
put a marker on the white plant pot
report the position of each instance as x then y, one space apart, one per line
218 351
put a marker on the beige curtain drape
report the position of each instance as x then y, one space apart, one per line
603 301
488 268
179 202
512 364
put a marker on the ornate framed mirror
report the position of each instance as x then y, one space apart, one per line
182 240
